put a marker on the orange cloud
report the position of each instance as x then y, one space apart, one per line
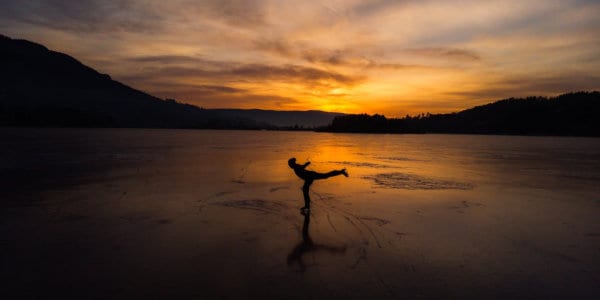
391 57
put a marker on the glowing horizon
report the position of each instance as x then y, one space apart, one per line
388 57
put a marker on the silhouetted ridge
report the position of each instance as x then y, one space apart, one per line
26 57
568 114
40 87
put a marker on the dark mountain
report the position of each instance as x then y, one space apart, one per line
40 87
572 114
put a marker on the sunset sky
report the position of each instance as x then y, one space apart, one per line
390 57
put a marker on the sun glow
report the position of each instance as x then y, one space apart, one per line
389 57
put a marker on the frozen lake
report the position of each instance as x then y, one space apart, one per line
201 213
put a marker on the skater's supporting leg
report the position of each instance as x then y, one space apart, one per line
305 192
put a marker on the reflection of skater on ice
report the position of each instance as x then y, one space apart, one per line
307 245
310 176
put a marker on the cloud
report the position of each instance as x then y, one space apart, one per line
553 84
192 91
196 89
446 53
234 12
82 15
342 57
282 47
229 71
87 16
180 65
165 59
377 6
523 85
334 57
216 96
277 46
168 73
315 51
219 97
219 89
398 66
291 72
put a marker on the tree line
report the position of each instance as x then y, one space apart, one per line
572 114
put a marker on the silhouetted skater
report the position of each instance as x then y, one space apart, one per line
310 176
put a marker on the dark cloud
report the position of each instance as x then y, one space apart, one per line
165 81
313 55
219 89
397 66
129 15
554 84
213 96
340 57
231 71
165 59
446 53
82 15
248 100
180 65
234 12
173 87
279 47
376 6
154 73
216 97
291 73
522 86
335 57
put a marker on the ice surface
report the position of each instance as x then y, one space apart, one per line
215 214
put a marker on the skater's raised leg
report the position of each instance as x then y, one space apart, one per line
330 174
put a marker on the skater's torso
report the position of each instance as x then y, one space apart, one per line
301 171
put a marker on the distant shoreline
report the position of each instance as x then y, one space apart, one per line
37 95
288 130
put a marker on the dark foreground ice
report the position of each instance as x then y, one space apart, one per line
215 214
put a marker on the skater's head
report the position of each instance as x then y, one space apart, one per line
292 162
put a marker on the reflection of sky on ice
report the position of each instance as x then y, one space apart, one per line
202 211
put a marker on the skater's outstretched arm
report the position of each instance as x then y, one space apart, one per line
305 165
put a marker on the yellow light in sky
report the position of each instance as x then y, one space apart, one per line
388 57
